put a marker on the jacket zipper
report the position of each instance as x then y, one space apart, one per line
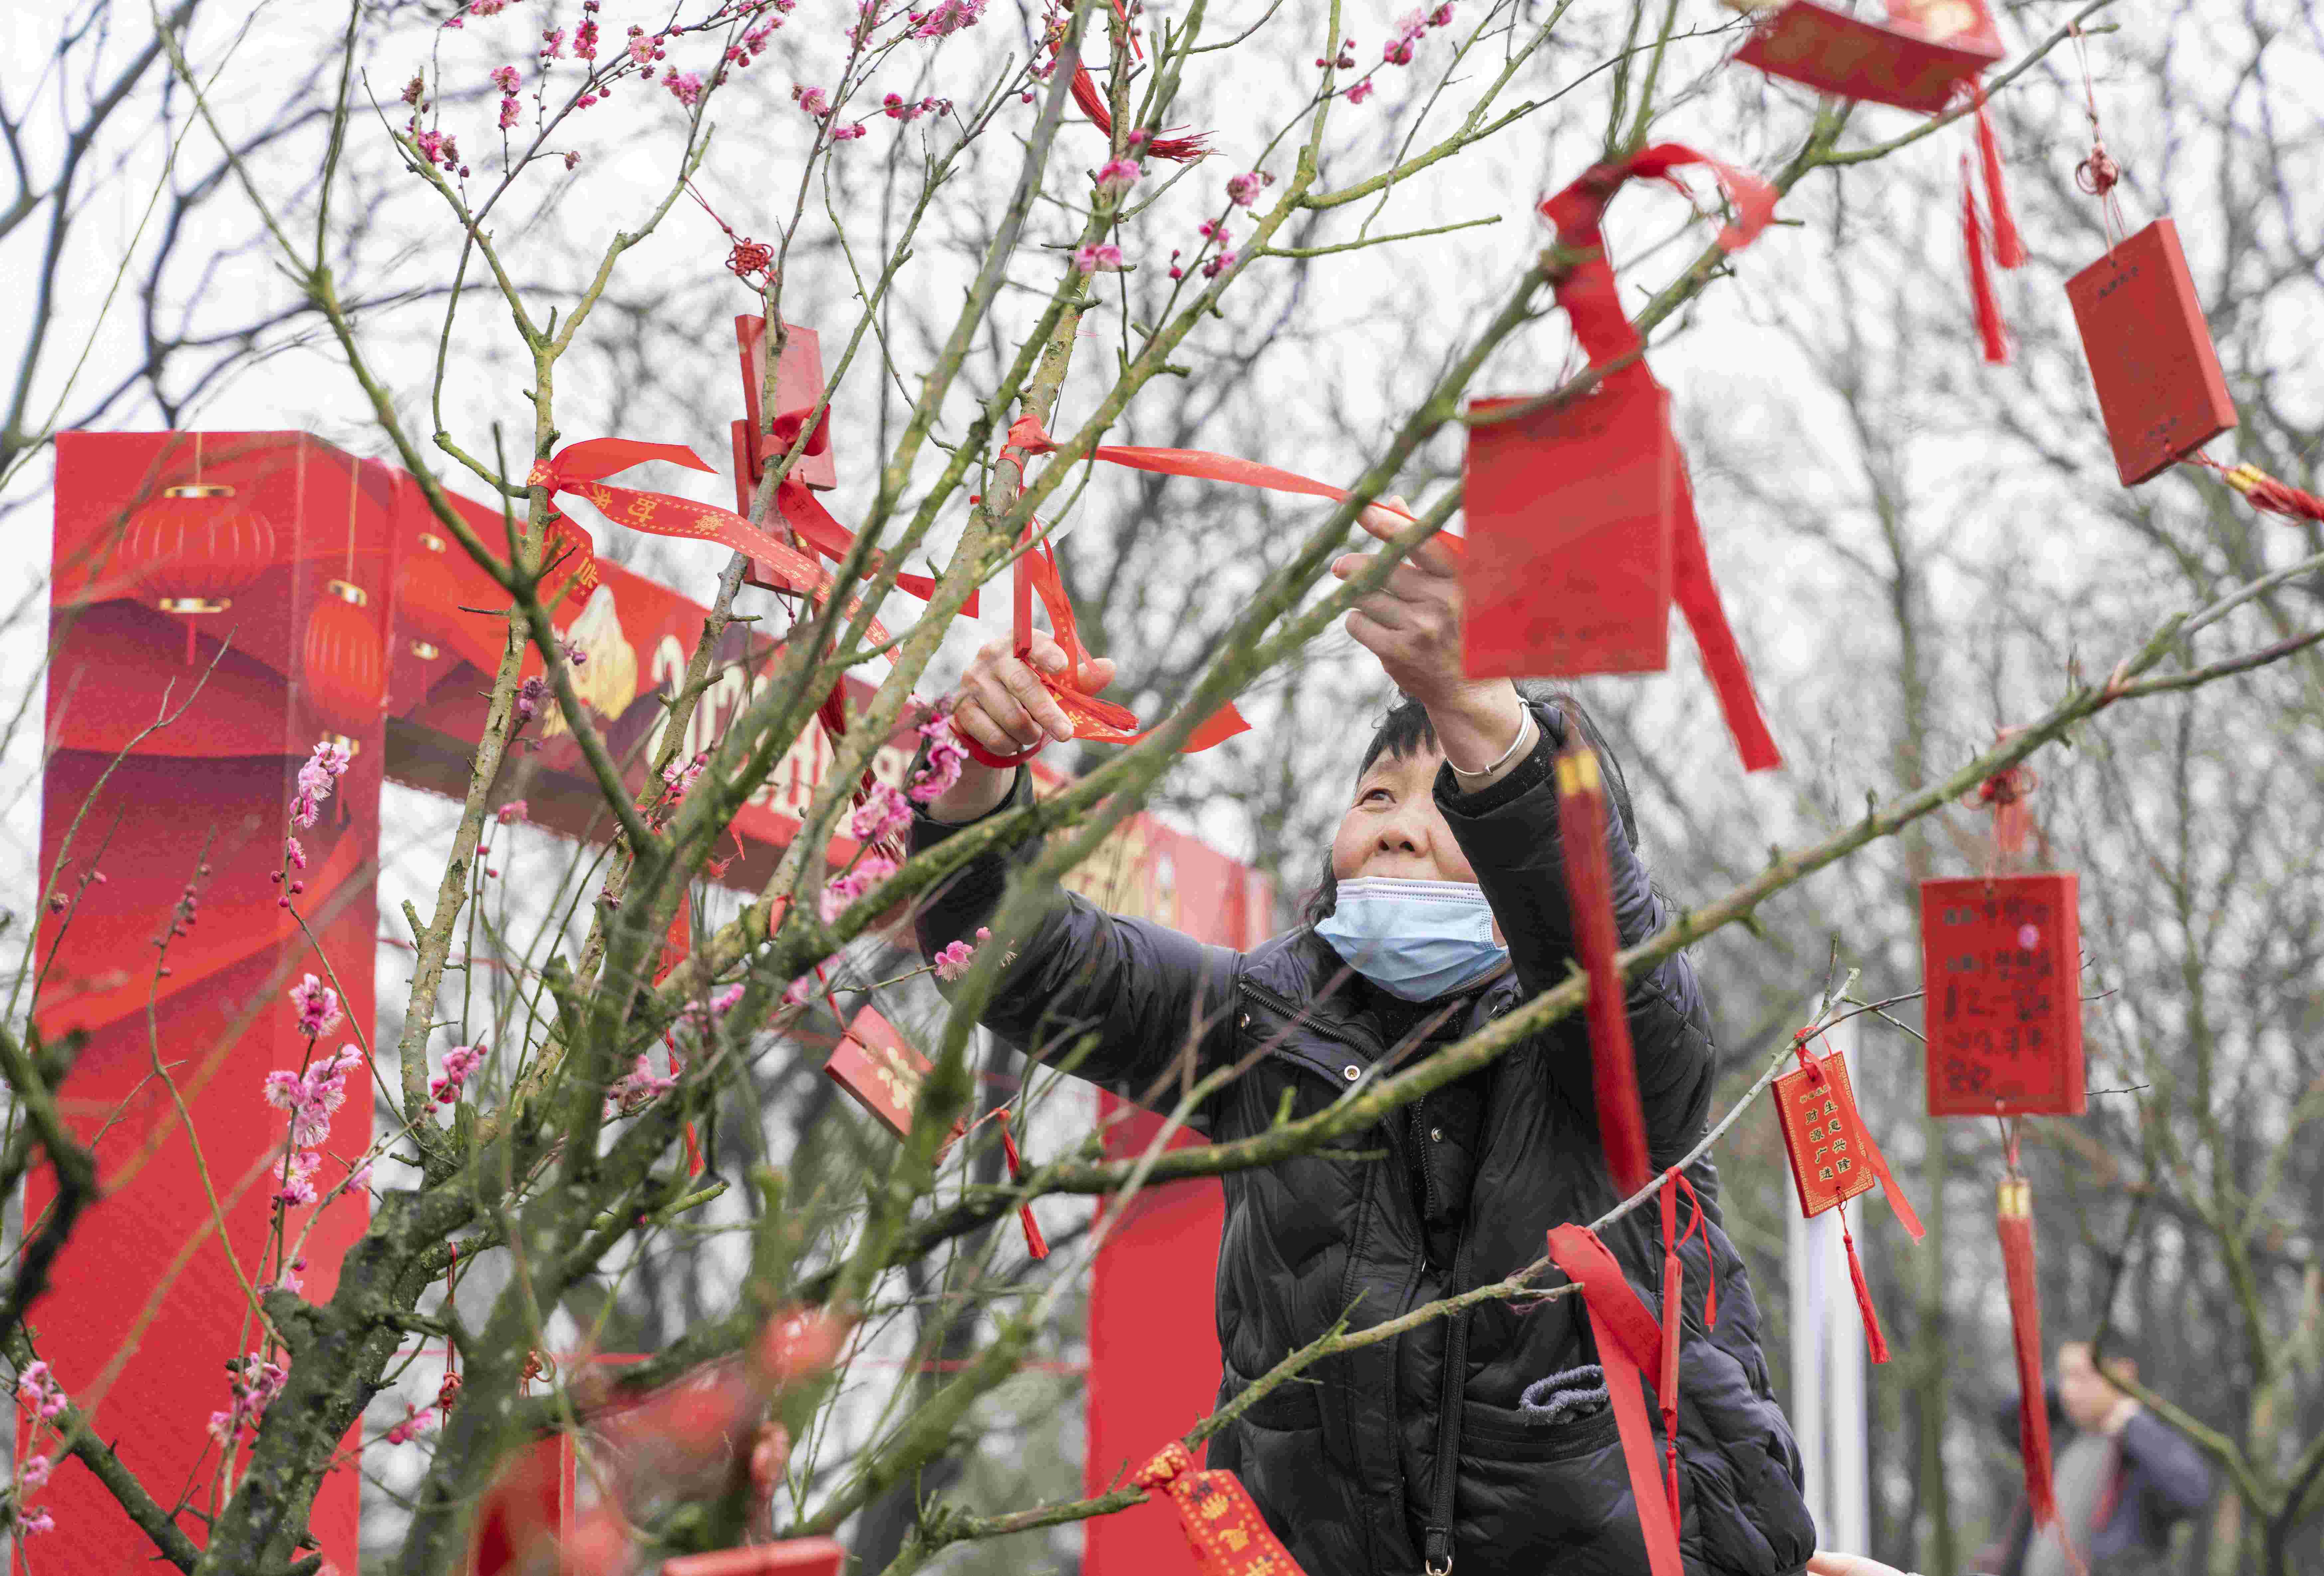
1346 1035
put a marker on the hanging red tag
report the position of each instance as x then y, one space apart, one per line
1824 1135
1223 1527
1566 570
792 1557
1590 901
1917 59
799 384
2151 361
2001 962
877 1067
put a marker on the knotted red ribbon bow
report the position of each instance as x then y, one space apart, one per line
1585 289
577 467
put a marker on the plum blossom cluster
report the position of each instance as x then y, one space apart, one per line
37 1391
1117 176
953 960
504 78
941 759
703 1016
312 1097
1101 256
255 1381
1402 46
1242 190
321 771
1213 232
870 867
948 17
459 1063
897 107
318 1007
641 1086
883 816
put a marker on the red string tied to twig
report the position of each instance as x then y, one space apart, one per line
1224 1530
1584 280
1035 1243
2004 793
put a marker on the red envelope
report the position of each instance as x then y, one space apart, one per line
875 1065
1566 570
1925 52
1824 1135
2151 357
799 384
2001 960
792 1557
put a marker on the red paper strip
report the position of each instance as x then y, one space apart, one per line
1036 1244
1629 1343
1588 889
1224 1530
2150 352
1571 514
1918 61
2013 1218
1586 291
2001 960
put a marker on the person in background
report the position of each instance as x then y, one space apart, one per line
2124 1479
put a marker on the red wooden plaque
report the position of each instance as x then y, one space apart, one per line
1566 570
792 1557
2001 960
1824 1135
874 1064
2151 357
1918 59
799 384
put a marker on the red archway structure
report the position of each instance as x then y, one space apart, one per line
339 612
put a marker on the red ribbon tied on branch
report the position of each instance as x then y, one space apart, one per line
1585 284
577 466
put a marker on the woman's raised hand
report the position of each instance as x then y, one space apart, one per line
1412 623
1001 703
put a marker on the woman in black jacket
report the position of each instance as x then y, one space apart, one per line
1444 907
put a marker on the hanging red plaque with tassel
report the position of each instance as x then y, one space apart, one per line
1917 59
798 388
2151 361
1223 1527
1834 1159
1590 901
2001 963
879 1070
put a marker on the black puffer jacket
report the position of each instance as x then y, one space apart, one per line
1344 1466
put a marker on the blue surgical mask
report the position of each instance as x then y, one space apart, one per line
1419 940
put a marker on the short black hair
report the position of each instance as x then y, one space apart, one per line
1405 730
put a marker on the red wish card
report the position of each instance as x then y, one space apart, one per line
2001 959
1824 1135
2151 357
792 1557
1918 59
1567 567
875 1064
799 384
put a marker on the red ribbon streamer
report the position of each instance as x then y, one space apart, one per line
577 467
1224 1530
1628 1341
2008 250
1992 333
2014 1219
1587 293
1588 890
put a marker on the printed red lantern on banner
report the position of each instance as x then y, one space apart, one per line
194 547
343 660
799 384
1919 58
1566 570
2150 352
2001 959
428 600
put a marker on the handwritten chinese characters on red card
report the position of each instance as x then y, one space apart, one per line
1824 1135
2001 957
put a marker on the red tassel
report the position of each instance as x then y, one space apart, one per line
693 1152
1178 150
1990 330
1035 1243
2013 1218
1874 1340
2007 250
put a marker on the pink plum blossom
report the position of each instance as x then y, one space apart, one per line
459 1062
945 756
1117 176
844 888
1242 190
1104 255
37 1385
327 763
953 960
883 813
318 1005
